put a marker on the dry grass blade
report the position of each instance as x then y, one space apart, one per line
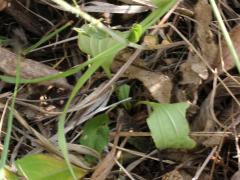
96 6
44 142
197 175
142 2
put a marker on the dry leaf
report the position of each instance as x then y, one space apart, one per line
176 175
151 41
205 37
236 176
206 120
3 4
29 68
226 55
159 85
194 70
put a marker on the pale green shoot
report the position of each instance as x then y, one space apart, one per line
226 35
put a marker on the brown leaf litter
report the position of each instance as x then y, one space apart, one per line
30 69
158 84
210 121
193 69
3 4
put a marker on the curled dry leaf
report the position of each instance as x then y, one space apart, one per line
159 85
194 70
205 38
29 68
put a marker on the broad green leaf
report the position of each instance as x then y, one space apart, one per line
123 92
103 59
99 60
169 127
96 132
94 41
46 167
8 175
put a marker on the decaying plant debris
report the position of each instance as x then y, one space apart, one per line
30 69
183 58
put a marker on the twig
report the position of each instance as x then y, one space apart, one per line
198 173
123 169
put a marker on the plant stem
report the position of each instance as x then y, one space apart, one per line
87 17
226 34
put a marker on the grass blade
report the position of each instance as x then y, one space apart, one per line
10 119
101 59
46 38
226 34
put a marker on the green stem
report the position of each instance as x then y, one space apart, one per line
226 34
77 11
10 119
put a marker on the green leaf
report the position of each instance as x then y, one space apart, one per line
104 59
99 60
123 92
169 127
96 132
135 33
94 41
161 3
163 7
8 175
46 167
